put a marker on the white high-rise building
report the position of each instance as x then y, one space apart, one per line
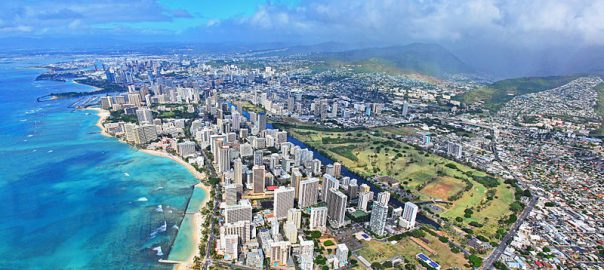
231 247
295 215
283 201
279 253
144 115
238 172
240 228
337 169
145 134
379 213
306 254
241 211
329 182
342 255
291 232
186 149
236 119
384 197
318 218
231 194
308 192
336 204
454 149
224 161
409 214
364 199
129 130
295 180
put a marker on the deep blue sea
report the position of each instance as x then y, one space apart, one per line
71 198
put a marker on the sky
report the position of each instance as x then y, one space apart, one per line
516 27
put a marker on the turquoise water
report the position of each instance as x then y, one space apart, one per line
183 247
72 198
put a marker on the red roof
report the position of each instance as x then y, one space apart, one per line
272 188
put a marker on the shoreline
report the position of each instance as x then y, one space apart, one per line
198 218
95 88
103 115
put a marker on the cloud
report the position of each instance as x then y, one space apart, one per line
529 23
52 17
455 23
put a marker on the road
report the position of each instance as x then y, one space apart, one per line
488 263
211 240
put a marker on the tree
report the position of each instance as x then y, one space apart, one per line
475 261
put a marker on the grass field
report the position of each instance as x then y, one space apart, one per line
248 106
443 188
375 251
428 176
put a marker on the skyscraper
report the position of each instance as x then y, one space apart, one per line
318 218
241 211
258 173
279 252
295 215
238 172
295 180
231 194
337 169
258 154
364 199
384 197
144 115
306 254
224 161
308 192
379 213
283 201
342 255
261 123
409 214
291 232
336 204
329 182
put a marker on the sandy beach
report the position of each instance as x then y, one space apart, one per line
198 220
103 115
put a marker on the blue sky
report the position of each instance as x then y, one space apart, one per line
521 24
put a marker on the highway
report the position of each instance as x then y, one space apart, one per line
488 263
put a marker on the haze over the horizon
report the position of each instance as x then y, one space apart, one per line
530 36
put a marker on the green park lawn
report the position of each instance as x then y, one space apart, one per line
426 175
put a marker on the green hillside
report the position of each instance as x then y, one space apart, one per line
426 59
600 109
500 92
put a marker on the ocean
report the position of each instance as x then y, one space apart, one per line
72 198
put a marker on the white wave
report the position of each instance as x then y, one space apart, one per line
175 227
126 174
159 208
50 151
30 135
23 120
142 199
159 188
158 250
159 230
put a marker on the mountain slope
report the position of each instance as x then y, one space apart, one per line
500 92
428 59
